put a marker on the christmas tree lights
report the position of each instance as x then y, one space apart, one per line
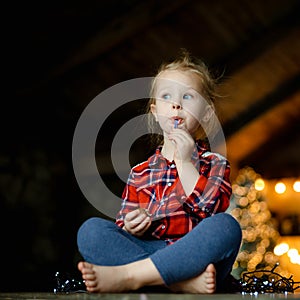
259 229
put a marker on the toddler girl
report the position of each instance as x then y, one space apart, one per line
172 229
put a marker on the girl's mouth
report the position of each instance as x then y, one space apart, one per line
177 121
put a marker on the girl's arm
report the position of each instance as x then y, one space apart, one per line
207 190
131 217
129 202
187 172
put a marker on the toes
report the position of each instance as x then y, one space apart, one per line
211 268
80 265
89 276
86 268
210 290
83 265
90 283
210 287
210 280
87 265
92 289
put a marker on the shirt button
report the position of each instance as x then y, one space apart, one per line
202 214
169 183
163 227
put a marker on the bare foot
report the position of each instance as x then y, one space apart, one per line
104 279
205 283
119 278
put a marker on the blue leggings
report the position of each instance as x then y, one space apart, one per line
214 240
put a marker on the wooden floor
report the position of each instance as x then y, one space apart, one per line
86 296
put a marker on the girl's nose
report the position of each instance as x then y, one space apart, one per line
176 106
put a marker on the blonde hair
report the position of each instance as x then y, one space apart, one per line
207 88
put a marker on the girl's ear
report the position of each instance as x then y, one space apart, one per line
209 111
153 111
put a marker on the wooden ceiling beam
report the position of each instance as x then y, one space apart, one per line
131 23
258 132
255 82
248 50
260 107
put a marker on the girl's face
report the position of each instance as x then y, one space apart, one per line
178 100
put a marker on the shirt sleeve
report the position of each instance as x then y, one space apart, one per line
130 200
212 191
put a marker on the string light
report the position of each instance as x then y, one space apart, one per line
259 184
281 249
296 186
280 188
259 233
67 284
267 281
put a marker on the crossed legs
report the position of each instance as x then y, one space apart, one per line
194 264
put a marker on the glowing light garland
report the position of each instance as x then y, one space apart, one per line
267 281
66 284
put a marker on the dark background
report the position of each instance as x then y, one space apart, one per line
59 55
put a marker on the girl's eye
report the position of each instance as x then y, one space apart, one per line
166 96
187 97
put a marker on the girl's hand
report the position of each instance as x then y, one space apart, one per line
184 147
137 222
184 144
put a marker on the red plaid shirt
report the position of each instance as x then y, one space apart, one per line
155 185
